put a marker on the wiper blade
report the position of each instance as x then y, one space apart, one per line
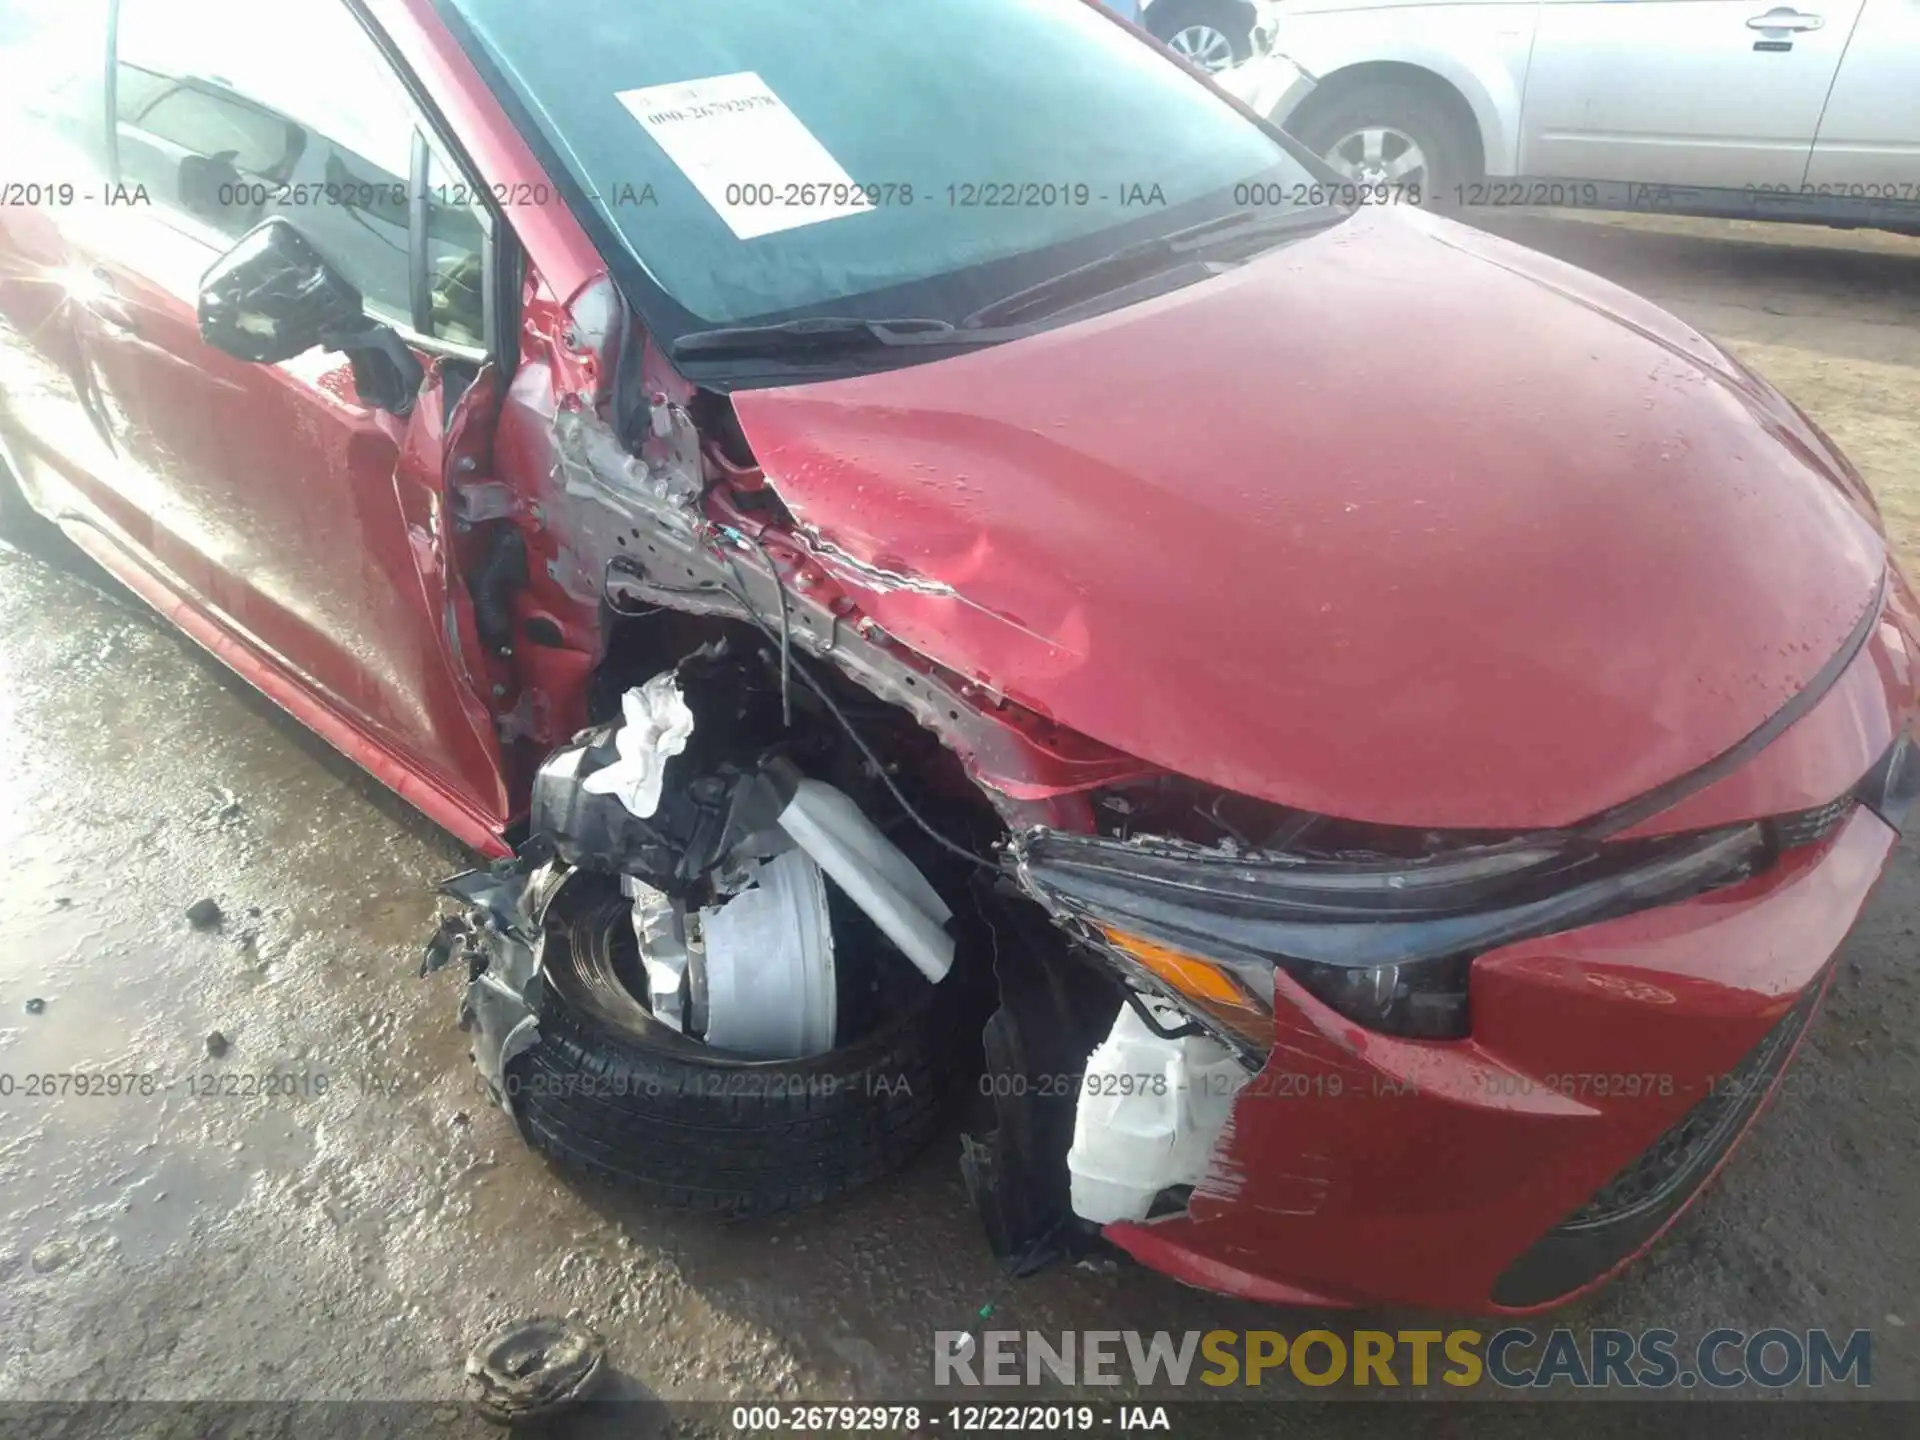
1274 225
1143 257
823 334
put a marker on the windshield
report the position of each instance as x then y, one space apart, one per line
763 159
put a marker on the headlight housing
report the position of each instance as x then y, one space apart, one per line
1386 942
1890 788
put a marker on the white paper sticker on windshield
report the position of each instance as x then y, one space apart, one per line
746 152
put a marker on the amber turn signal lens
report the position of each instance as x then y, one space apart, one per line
1211 987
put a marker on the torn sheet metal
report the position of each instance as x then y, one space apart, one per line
1150 1114
496 932
1034 772
657 727
660 930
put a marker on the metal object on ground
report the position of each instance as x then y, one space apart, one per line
528 1370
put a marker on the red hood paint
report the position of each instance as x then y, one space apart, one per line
1401 522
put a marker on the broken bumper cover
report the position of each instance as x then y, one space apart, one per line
1610 1070
1269 83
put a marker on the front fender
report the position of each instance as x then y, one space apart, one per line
1484 63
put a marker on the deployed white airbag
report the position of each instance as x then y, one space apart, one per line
657 726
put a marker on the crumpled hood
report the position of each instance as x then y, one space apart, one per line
1401 522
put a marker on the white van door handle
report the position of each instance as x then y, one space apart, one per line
1784 17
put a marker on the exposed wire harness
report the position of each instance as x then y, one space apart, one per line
790 664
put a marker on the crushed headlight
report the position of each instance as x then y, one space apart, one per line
1888 789
1386 942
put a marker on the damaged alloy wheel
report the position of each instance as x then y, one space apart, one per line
609 1090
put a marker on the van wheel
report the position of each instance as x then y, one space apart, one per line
609 1091
1208 34
1393 134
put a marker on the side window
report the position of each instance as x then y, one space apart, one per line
456 247
53 65
230 112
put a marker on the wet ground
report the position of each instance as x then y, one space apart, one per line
328 1210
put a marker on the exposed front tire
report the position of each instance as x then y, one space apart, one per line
1387 133
1209 34
611 1092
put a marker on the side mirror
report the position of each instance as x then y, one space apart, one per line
273 296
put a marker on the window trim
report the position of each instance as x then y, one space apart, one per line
502 260
419 256
429 133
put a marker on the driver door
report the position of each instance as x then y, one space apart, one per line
306 526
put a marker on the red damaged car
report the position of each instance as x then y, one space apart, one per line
938 556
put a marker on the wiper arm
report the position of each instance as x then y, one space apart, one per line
823 333
826 334
1143 257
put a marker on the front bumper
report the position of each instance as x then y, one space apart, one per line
1610 1072
1498 1173
1267 17
1270 84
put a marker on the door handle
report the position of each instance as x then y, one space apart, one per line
1784 17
